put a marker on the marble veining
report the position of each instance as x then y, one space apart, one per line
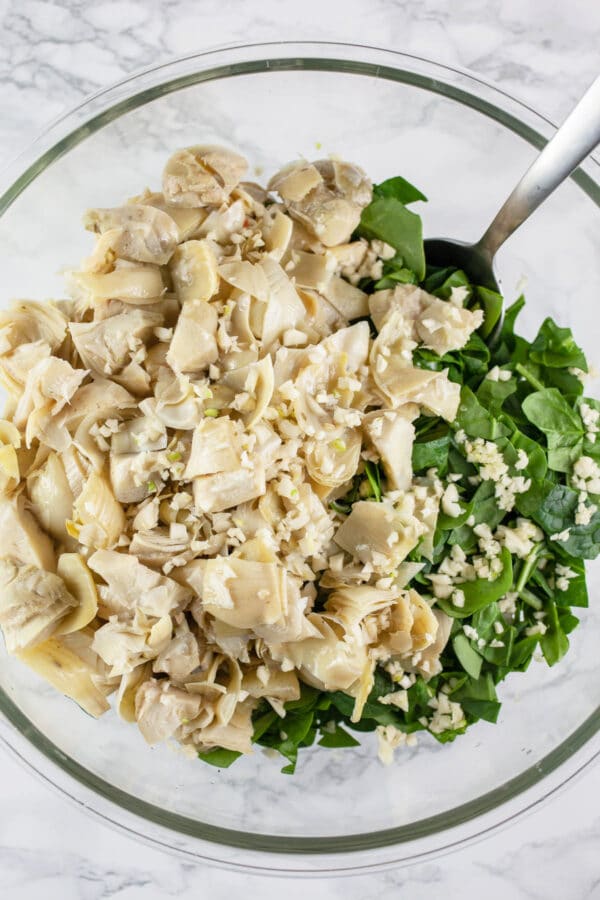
54 52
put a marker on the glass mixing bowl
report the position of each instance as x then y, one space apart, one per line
464 143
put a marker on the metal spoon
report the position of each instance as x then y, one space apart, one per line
578 135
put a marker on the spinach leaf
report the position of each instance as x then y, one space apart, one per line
452 523
437 276
464 366
500 656
287 735
485 506
464 536
522 653
510 318
296 730
457 462
576 593
337 738
537 465
309 699
478 698
505 345
592 447
489 710
366 485
484 622
387 219
373 474
475 420
440 282
400 189
556 348
262 723
467 656
568 384
584 540
568 622
219 757
554 642
549 411
431 453
492 394
393 275
554 510
491 303
485 619
529 502
474 358
419 695
373 709
482 591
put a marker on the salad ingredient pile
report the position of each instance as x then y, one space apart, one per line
266 479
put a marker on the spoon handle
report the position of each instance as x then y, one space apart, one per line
578 135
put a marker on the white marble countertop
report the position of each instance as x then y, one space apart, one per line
52 53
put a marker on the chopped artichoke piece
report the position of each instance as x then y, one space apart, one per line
393 435
130 682
131 585
194 344
68 673
78 580
194 271
51 497
326 661
243 593
215 448
99 517
201 175
223 490
107 345
32 603
326 196
376 534
134 283
186 220
23 539
143 233
160 709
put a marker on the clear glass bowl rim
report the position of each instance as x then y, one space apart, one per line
265 852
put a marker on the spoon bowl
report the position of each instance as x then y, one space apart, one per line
473 259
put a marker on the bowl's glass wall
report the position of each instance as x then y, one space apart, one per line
465 162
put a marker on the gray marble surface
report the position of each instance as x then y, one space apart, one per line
51 55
